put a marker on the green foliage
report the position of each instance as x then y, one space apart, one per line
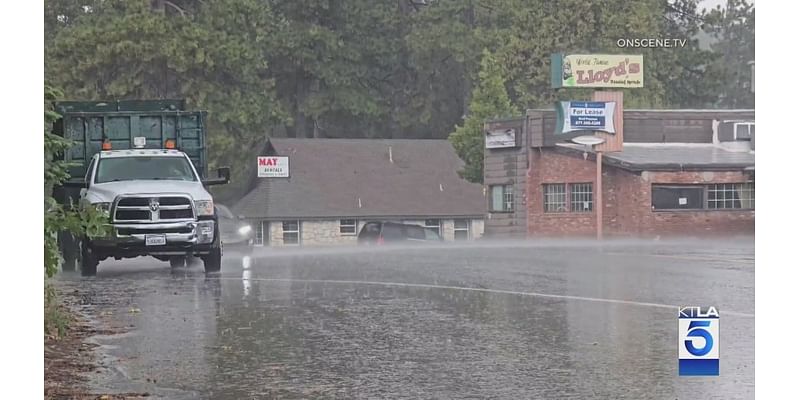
489 101
309 68
80 222
211 53
733 27
56 319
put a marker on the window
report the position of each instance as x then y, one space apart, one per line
555 197
291 232
581 197
461 229
262 233
502 198
434 225
677 197
718 196
731 195
113 169
88 177
347 226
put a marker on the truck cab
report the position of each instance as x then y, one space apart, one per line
157 205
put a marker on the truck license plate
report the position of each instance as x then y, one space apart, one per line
155 240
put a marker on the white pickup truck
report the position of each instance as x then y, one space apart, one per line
157 206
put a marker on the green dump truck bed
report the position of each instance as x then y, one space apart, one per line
89 124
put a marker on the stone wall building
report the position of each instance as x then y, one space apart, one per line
338 185
680 173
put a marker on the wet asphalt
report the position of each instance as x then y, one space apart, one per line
513 320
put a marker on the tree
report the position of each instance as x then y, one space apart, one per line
211 53
489 100
733 27
57 217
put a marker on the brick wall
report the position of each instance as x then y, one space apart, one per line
550 167
634 194
627 203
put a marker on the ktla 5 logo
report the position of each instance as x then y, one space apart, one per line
698 341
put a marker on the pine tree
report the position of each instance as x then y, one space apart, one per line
489 100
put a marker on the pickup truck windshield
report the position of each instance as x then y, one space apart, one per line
144 168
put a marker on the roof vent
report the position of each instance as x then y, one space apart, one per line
391 160
441 188
359 202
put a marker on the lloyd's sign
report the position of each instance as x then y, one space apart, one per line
273 167
584 116
596 71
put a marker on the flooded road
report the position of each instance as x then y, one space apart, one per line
507 321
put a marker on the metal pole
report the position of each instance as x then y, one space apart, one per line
599 195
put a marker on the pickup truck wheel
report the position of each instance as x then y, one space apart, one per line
67 245
177 262
213 261
88 259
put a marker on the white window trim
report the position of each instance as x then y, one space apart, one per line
298 231
437 227
468 229
354 225
263 226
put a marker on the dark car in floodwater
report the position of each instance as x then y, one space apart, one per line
378 233
236 233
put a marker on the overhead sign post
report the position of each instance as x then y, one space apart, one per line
603 115
596 71
273 167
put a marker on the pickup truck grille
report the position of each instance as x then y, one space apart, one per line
146 209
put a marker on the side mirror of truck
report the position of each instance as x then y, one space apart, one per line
76 184
224 177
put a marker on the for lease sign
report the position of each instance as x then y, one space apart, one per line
585 115
273 167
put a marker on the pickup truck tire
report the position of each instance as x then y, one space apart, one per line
213 260
88 259
177 262
68 247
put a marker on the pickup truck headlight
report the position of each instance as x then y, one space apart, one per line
102 207
204 207
245 230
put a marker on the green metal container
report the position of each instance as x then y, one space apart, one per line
89 124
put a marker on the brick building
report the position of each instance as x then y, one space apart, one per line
337 185
681 172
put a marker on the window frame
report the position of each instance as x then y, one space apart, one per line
262 229
506 206
436 228
545 201
705 200
354 225
466 229
572 201
284 231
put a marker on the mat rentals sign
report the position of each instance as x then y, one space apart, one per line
273 167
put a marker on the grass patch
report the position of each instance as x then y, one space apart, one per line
57 318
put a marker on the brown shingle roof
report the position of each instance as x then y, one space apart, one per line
355 178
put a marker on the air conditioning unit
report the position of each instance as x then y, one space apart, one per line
744 130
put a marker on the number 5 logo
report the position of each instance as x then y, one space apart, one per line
696 330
